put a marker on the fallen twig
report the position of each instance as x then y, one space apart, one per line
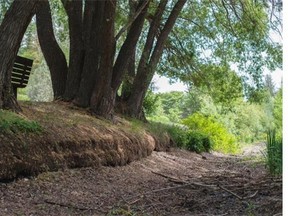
171 178
251 196
69 205
176 180
234 194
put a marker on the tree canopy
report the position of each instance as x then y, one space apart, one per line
103 54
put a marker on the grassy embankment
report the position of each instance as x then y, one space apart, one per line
53 136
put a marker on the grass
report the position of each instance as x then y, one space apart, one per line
12 122
274 153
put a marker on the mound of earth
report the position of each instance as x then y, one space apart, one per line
165 183
72 138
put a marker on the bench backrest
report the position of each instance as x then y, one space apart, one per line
21 71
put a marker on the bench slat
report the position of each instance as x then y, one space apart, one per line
16 71
21 67
19 80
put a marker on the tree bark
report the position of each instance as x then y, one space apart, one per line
74 11
53 54
103 97
92 53
130 74
12 30
146 69
128 46
141 79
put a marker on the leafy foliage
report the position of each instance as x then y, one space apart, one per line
225 34
250 122
198 142
40 87
22 94
222 140
182 137
178 135
149 102
278 110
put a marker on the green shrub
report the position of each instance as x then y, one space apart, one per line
178 135
150 102
198 142
182 137
221 139
10 121
274 153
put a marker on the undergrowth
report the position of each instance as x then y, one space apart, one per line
274 153
12 122
221 139
182 137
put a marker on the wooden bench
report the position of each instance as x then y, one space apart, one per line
20 73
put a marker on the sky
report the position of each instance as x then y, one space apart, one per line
162 83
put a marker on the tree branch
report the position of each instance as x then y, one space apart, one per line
131 21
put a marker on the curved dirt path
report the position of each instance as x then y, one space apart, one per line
165 183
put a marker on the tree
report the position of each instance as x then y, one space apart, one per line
53 54
225 34
92 52
161 35
150 56
12 29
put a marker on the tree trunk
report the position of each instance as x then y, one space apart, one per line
147 67
74 12
130 74
92 53
128 78
103 97
12 30
137 90
53 54
128 47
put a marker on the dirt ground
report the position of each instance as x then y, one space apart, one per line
166 183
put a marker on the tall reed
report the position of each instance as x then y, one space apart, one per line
274 152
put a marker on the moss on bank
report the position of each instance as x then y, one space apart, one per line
70 138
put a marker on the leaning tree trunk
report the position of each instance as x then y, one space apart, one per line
133 97
74 11
129 45
131 69
146 71
12 30
53 54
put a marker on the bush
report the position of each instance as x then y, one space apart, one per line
198 142
150 103
182 137
178 135
221 139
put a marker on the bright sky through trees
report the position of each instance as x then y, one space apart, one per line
162 83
